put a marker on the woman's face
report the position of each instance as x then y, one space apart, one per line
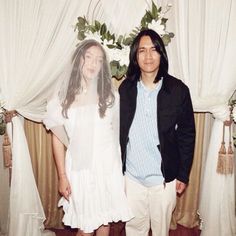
92 62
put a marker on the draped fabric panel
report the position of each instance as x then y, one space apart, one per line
187 205
39 143
217 199
4 194
26 212
202 51
37 38
201 54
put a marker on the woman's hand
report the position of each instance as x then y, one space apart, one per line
64 187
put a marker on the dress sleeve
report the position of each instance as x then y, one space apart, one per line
53 115
54 120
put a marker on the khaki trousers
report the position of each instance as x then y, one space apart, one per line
151 206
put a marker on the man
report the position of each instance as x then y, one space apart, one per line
157 136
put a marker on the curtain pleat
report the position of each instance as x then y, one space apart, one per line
39 142
4 193
186 212
36 40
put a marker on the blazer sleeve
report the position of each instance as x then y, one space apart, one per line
186 136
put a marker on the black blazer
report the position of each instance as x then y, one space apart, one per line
175 124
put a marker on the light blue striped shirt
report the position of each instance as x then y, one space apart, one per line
143 162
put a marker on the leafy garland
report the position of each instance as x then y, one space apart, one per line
232 108
2 118
118 45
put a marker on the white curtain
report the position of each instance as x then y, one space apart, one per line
37 38
202 55
4 195
123 16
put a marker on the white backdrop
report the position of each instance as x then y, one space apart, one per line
36 40
37 37
202 55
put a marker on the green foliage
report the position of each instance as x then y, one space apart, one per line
2 119
117 70
2 126
84 27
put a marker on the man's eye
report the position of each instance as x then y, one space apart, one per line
141 50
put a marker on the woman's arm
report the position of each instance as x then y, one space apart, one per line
59 157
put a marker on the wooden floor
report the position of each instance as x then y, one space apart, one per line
118 230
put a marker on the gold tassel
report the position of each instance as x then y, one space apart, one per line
225 164
221 159
230 155
7 154
230 160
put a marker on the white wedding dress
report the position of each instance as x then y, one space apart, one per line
93 166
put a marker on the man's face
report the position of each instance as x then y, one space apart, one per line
147 56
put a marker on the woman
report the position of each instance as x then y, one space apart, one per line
89 171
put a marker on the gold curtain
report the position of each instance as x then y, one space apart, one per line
187 205
39 142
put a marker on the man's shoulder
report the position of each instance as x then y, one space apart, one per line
172 82
127 84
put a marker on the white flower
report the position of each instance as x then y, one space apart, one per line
234 113
156 26
116 54
161 15
96 36
122 55
2 103
124 60
105 42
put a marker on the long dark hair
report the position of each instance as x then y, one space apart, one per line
104 86
133 71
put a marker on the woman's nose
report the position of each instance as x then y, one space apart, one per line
94 62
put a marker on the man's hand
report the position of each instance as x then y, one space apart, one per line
180 187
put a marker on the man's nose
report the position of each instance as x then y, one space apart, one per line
148 54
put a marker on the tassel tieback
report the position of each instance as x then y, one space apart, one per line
9 115
6 145
225 164
7 153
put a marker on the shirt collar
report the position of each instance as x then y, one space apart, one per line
141 85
